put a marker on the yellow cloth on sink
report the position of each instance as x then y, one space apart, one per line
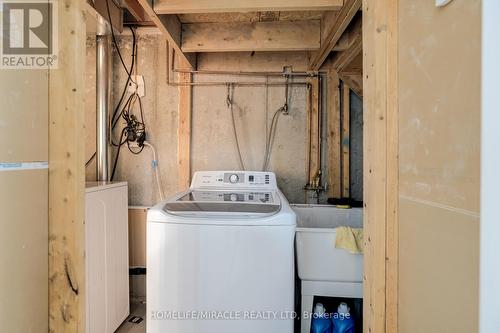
349 239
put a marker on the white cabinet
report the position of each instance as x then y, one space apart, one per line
106 226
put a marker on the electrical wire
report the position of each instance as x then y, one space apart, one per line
117 155
134 129
128 74
90 159
114 118
114 39
230 102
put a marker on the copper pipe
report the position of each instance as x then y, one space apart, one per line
171 68
212 72
235 83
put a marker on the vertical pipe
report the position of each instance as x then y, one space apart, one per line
103 104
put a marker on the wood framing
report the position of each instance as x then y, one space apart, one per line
333 138
380 104
136 10
100 6
67 174
334 32
313 129
251 36
346 145
344 58
226 6
343 43
355 46
392 187
184 131
170 26
355 82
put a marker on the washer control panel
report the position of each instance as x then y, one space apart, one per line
218 196
234 179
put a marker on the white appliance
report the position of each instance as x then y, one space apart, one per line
106 242
220 257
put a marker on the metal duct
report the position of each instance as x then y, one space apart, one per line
103 104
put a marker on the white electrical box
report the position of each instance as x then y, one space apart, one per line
107 264
136 85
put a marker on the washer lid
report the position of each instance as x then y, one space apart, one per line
223 201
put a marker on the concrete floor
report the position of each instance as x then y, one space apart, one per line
137 309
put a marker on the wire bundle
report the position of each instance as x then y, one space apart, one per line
134 129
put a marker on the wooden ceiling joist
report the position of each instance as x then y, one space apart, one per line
226 6
251 36
344 58
251 16
334 32
136 10
171 27
354 48
101 7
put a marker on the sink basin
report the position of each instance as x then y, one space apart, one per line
317 257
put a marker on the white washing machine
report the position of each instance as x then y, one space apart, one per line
220 257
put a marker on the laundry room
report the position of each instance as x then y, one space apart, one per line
215 166
246 109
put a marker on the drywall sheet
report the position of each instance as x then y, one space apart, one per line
24 251
24 115
439 130
438 269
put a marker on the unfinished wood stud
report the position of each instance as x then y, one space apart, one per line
67 175
334 135
184 130
380 146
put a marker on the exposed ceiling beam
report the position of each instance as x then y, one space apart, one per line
344 58
170 26
100 7
251 36
225 6
136 10
334 32
343 43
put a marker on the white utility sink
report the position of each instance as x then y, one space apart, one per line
323 269
317 257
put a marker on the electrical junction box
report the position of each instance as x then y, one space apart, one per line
136 84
